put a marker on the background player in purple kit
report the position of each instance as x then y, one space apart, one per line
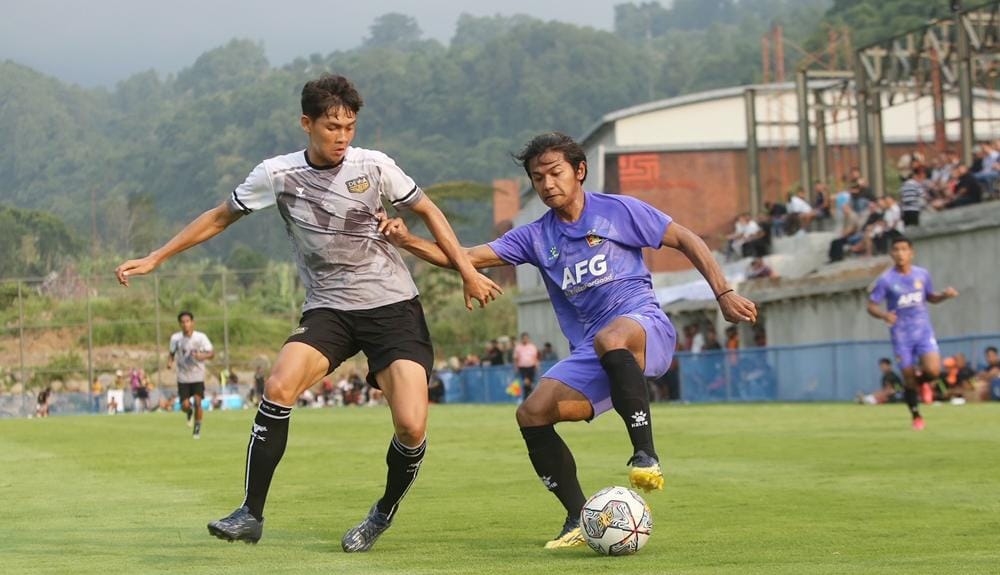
907 289
589 250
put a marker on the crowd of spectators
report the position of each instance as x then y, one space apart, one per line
863 224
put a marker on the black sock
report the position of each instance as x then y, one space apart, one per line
555 466
404 463
630 398
267 445
912 401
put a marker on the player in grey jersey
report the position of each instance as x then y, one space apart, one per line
359 295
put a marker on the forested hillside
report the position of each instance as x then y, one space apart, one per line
128 166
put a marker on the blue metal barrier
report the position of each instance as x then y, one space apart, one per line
833 371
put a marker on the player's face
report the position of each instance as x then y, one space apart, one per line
555 180
187 324
901 254
330 135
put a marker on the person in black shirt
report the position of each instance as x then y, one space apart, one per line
967 189
494 355
892 386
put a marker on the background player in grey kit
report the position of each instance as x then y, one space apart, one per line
188 351
359 294
588 248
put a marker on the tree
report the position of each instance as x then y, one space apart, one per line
393 30
35 242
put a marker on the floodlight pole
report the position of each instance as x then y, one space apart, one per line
225 324
821 148
861 101
753 154
802 96
20 338
966 118
877 179
156 316
90 347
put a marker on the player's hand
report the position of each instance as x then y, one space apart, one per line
890 318
137 267
950 292
394 230
736 308
480 288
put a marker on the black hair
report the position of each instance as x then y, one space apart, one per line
185 313
555 142
885 361
991 348
901 240
327 93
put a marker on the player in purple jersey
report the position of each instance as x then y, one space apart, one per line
907 289
588 248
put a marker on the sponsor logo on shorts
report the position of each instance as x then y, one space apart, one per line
299 330
358 185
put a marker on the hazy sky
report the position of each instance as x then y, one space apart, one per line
99 42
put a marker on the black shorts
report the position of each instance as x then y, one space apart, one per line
385 334
527 374
911 218
186 390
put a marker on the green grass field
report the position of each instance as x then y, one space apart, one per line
750 489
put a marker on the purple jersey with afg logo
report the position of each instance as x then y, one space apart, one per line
906 296
594 272
601 249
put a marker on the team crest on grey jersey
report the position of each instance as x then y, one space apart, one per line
358 185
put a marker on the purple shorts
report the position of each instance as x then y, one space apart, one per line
583 371
909 350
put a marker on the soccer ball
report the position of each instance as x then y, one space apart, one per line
616 521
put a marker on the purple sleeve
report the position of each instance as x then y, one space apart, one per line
516 246
928 285
646 226
878 291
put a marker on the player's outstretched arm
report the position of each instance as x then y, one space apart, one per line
475 285
204 227
395 230
735 308
938 297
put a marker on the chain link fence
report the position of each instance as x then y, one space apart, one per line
82 336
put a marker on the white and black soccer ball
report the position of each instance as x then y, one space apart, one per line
616 521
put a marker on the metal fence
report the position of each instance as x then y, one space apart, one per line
68 331
834 371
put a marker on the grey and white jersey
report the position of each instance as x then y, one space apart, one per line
331 216
189 369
